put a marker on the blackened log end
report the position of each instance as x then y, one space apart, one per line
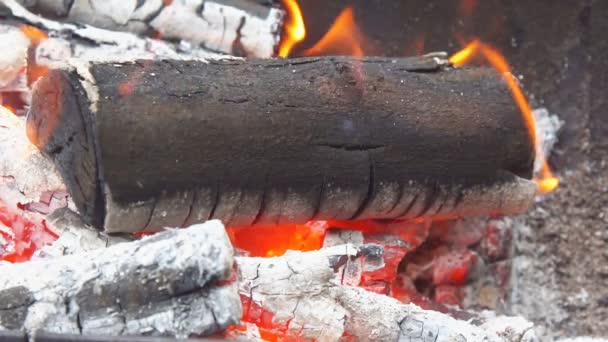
60 124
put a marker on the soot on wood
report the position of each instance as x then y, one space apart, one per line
148 144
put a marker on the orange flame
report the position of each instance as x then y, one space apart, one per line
36 36
343 38
295 31
546 181
9 108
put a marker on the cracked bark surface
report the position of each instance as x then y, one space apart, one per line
283 141
236 27
303 292
174 284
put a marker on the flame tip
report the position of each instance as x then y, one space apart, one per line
476 48
295 30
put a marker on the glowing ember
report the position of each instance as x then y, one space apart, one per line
546 181
21 236
36 36
9 108
343 38
295 31
126 89
269 241
453 267
253 313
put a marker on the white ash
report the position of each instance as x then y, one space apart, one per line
13 59
584 339
94 44
219 25
165 284
75 236
301 290
533 293
547 129
25 173
503 326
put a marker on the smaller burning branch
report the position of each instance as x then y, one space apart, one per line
237 27
304 294
175 283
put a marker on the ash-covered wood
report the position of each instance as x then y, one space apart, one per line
305 296
175 283
75 236
18 336
237 27
84 42
168 143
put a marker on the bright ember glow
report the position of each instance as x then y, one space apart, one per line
36 36
343 38
546 181
295 31
275 240
21 236
9 108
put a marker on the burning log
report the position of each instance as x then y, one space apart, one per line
150 144
174 283
304 294
236 27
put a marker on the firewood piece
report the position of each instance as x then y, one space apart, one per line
18 336
175 283
301 291
236 27
153 143
85 42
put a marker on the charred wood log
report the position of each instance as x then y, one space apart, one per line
168 143
175 283
236 27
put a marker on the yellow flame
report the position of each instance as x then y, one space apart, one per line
342 38
546 181
465 55
295 31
